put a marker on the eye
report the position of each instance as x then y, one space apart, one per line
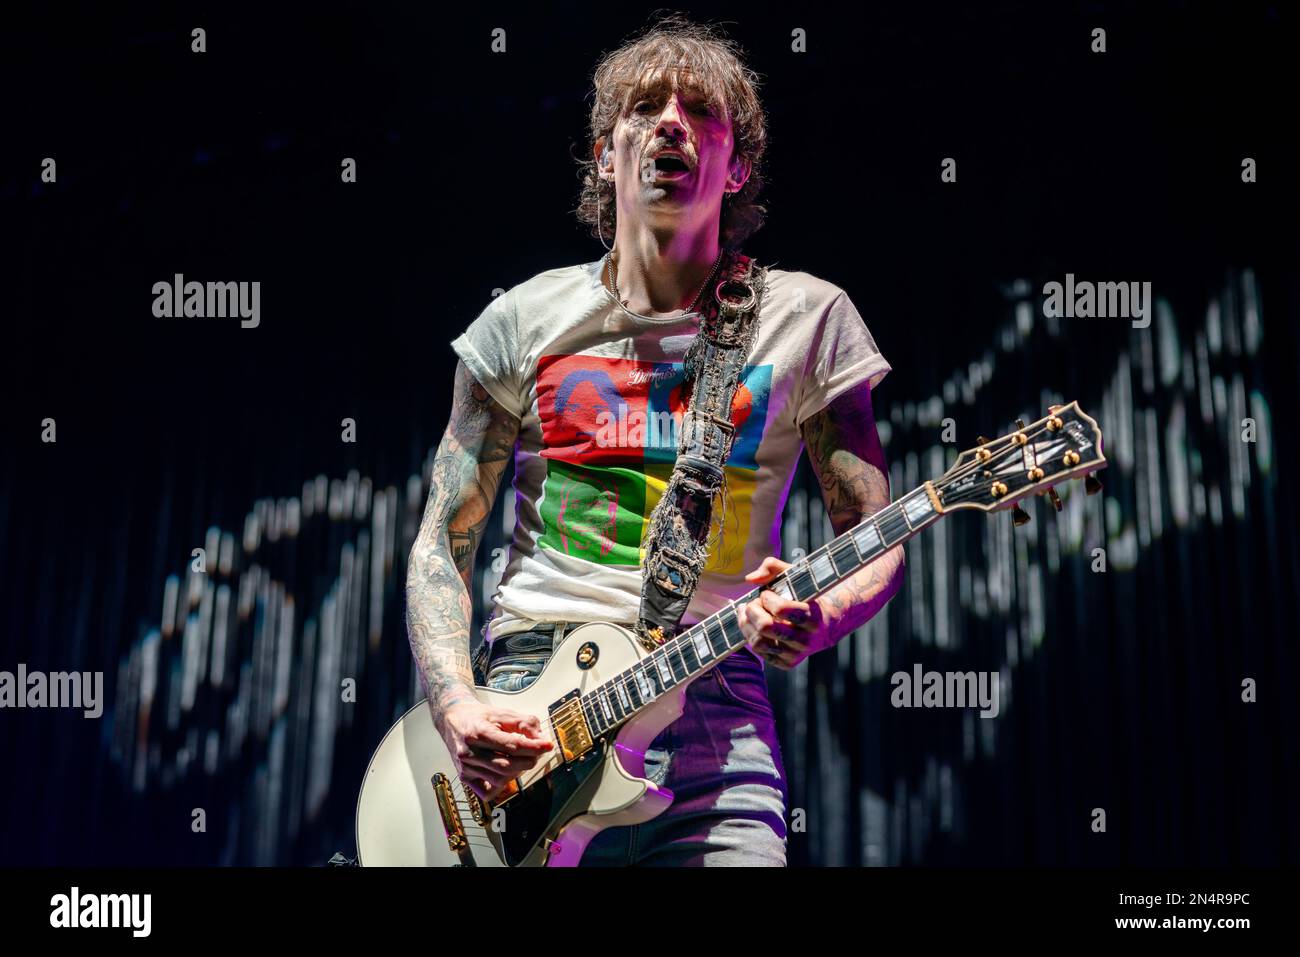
637 108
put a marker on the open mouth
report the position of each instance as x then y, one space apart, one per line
670 164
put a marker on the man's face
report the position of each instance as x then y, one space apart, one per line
669 112
582 415
588 517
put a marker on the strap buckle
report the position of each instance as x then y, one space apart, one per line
742 300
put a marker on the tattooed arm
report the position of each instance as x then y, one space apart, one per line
845 452
467 472
846 456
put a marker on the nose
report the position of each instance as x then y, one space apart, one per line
670 125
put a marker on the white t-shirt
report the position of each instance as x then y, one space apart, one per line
597 390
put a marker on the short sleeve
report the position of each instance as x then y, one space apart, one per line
842 355
489 348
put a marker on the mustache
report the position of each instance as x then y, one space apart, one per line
658 145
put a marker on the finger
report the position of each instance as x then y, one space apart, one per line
747 627
482 783
795 612
778 657
816 617
526 724
532 745
478 764
764 626
783 650
494 787
753 620
489 757
508 767
795 642
791 655
483 769
765 572
491 737
779 629
777 648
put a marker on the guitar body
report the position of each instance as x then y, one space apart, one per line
558 807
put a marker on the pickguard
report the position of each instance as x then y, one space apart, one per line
545 806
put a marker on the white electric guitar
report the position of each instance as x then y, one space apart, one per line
603 698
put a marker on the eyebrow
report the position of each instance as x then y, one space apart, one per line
689 87
691 91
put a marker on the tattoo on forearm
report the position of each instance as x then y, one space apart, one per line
467 470
856 600
846 456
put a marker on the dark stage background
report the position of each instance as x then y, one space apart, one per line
1122 690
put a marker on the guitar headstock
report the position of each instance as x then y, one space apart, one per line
1065 444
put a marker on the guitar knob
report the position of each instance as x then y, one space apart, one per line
1019 516
1091 484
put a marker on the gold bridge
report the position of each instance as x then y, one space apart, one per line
451 822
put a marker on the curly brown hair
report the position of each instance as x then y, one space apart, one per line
714 63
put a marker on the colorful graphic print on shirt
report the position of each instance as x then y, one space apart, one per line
609 431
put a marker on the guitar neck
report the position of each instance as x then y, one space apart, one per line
682 658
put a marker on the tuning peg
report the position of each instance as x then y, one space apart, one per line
1091 484
1055 499
1019 516
981 440
1020 424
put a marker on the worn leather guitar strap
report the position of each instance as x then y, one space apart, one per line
677 542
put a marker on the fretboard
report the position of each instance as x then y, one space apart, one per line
683 657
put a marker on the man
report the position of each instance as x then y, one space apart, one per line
577 373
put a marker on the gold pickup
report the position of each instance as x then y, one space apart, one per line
571 729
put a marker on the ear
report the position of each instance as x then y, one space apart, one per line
598 149
738 172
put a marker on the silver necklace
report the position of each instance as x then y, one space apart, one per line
613 278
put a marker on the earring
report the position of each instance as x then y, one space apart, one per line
600 233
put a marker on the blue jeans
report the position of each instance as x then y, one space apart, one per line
721 759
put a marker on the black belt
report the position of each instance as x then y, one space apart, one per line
541 641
